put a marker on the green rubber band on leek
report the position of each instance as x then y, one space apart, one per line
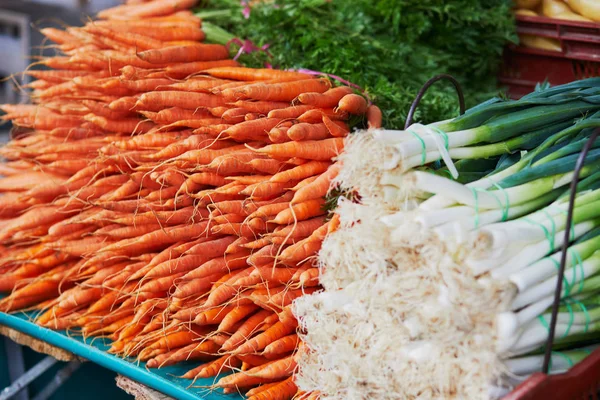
423 146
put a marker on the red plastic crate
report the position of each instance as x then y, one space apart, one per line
579 57
582 382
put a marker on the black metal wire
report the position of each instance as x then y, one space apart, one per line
415 104
565 246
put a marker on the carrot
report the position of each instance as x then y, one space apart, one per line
271 371
275 369
217 265
264 274
353 104
252 130
328 99
225 291
267 166
123 104
281 346
319 187
164 237
196 85
253 74
144 85
269 210
286 91
315 116
279 299
284 390
189 53
261 388
310 149
236 315
374 117
228 207
279 135
228 218
236 246
195 256
336 128
259 342
156 101
57 35
132 39
304 131
265 255
300 230
305 248
250 326
300 172
148 9
195 351
300 212
234 115
195 287
261 107
218 366
266 190
186 69
309 278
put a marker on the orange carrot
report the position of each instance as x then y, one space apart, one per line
300 212
274 369
336 128
253 74
374 117
225 291
303 171
250 326
267 166
289 112
315 116
286 91
267 190
328 99
319 187
234 115
285 390
279 135
304 131
189 53
300 230
156 101
310 149
252 130
309 278
261 107
220 365
214 315
236 315
281 346
186 69
353 104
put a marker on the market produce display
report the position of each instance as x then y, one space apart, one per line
188 184
445 261
158 194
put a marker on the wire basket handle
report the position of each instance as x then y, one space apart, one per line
427 85
565 246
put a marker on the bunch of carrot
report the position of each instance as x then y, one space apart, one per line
160 195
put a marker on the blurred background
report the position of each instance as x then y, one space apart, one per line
21 42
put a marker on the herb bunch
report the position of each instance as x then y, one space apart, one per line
388 47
